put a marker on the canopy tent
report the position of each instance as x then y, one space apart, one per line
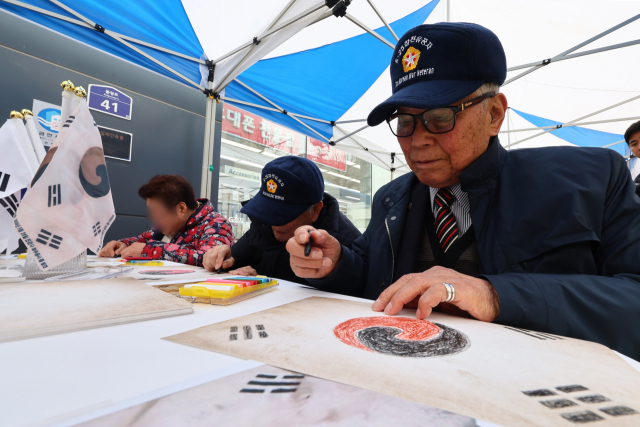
287 61
576 135
151 35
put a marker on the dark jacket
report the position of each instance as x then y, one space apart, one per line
260 249
558 233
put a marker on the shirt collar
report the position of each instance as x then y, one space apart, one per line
455 189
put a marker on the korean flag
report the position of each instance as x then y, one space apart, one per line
69 207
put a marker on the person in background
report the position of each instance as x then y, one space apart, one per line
184 228
291 196
632 137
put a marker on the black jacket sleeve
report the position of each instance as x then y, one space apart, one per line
604 308
242 250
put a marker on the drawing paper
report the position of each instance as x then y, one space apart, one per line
269 396
43 308
485 371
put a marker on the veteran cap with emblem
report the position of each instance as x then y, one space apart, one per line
436 65
290 185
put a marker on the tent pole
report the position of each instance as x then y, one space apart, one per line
237 101
624 119
384 21
577 55
369 30
448 11
258 39
282 110
89 27
566 52
207 151
578 119
363 147
352 133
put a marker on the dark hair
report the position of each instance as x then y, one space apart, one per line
632 129
171 189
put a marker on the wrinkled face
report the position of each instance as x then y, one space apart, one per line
167 221
634 144
438 159
284 232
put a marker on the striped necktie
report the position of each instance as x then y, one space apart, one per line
446 225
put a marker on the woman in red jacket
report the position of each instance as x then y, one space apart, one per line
184 227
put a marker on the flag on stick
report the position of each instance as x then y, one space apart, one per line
69 206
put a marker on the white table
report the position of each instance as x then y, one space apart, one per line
53 379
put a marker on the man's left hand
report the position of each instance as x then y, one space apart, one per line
133 250
245 271
473 295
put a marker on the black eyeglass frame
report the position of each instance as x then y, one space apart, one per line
455 108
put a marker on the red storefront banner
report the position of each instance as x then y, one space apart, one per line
321 152
249 126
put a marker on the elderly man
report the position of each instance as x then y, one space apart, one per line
545 239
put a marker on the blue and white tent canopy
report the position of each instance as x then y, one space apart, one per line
302 57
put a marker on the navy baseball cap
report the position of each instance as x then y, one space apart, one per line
435 65
290 185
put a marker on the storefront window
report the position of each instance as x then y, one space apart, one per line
250 141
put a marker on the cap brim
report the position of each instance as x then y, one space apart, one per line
424 95
270 212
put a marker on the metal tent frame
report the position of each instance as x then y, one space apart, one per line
337 8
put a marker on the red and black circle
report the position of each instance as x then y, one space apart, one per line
401 336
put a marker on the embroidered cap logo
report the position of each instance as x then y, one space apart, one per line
271 186
410 59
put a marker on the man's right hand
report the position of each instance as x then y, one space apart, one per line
218 257
324 256
112 249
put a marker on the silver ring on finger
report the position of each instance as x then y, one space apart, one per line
451 292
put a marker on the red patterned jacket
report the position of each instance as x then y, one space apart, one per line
206 228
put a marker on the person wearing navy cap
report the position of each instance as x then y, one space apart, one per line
291 196
545 239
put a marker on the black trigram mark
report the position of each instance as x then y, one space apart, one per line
4 180
581 417
44 236
535 334
558 403
10 203
55 195
593 398
270 382
68 122
261 332
96 229
248 334
571 388
540 392
616 411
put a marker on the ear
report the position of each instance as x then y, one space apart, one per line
181 208
497 111
316 211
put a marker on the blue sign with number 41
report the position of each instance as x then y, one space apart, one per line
109 100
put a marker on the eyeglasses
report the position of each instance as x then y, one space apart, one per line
438 120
